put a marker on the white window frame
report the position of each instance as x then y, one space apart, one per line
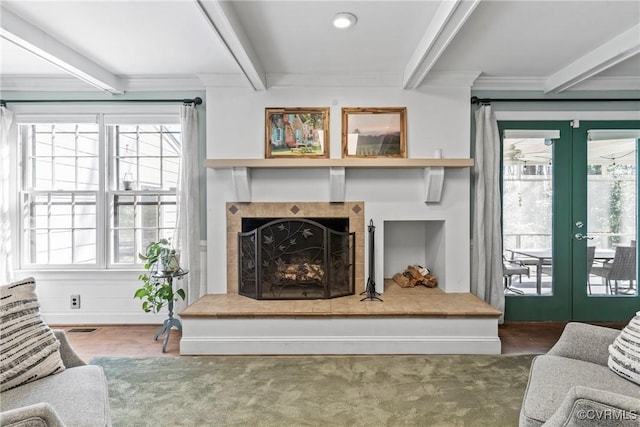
103 115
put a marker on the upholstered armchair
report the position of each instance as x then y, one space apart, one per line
572 384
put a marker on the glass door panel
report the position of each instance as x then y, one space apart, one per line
527 211
605 188
611 213
535 187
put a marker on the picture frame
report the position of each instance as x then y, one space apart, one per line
297 132
374 132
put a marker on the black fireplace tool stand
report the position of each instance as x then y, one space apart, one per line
370 289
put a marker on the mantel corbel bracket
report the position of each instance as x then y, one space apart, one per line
337 184
434 183
242 183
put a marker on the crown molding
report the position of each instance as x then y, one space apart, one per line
152 83
63 83
538 83
46 83
367 79
224 80
450 79
509 83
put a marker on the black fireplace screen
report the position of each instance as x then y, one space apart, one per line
296 259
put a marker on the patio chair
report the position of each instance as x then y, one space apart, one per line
512 268
591 253
622 267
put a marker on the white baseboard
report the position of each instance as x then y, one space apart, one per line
103 318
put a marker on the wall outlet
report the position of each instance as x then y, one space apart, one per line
75 301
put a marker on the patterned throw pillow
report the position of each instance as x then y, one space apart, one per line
624 353
28 348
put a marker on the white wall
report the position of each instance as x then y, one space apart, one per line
436 118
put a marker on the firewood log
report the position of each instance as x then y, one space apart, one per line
401 280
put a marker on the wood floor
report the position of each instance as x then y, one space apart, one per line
137 340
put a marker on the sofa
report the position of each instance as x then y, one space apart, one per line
572 384
76 397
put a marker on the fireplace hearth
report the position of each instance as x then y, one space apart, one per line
301 258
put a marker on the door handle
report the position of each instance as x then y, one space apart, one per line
580 236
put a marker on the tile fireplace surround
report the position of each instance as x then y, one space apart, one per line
237 211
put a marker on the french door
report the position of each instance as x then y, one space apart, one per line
570 220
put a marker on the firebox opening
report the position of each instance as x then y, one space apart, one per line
296 258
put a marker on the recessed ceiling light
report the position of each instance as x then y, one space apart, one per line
344 20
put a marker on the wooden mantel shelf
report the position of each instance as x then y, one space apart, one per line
433 172
345 163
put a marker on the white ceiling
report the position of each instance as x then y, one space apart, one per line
185 44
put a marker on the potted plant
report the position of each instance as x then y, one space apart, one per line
161 262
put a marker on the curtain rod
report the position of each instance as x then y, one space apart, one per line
487 101
197 100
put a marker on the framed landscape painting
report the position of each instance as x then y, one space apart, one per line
296 132
374 132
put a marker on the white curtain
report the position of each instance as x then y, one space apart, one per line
6 255
486 256
187 234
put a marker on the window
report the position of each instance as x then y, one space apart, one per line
94 195
146 161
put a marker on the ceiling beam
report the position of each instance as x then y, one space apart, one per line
41 44
446 23
225 25
614 51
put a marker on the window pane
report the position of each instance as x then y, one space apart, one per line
612 214
149 153
124 244
39 210
43 177
150 173
61 247
85 211
149 211
64 174
40 246
60 228
149 143
87 173
168 212
139 220
53 153
170 167
124 212
84 247
64 144
527 215
60 209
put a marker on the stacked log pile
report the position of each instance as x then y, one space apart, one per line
415 275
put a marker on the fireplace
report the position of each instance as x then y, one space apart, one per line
296 258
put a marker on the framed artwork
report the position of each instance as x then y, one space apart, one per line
374 132
296 132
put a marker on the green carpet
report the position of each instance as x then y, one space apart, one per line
282 391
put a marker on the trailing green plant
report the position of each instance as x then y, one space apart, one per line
156 292
615 206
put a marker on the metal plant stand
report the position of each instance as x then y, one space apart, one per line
170 321
370 289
